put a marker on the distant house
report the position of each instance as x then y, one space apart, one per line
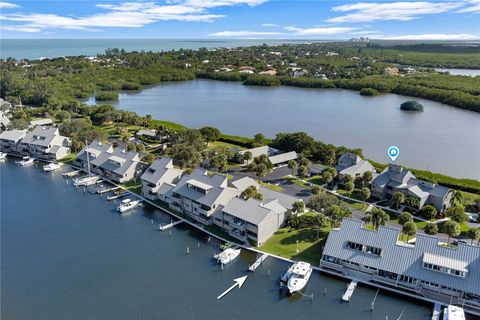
258 151
245 182
398 179
351 164
115 164
316 169
10 140
199 195
5 105
426 269
45 143
282 159
242 68
390 71
151 134
246 71
251 219
299 73
271 72
283 199
159 179
4 121
41 122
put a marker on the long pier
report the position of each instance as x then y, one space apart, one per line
258 263
105 190
168 226
118 196
349 292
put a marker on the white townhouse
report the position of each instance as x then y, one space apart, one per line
44 143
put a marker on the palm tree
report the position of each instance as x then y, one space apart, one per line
292 164
377 217
398 198
247 156
452 229
457 197
474 234
409 229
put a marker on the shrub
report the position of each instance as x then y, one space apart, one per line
369 92
411 105
106 96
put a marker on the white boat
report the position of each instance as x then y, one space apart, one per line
52 166
26 161
227 255
297 276
453 313
85 181
127 205
3 156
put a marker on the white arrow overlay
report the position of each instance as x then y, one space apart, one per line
238 282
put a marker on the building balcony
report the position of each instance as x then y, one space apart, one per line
238 234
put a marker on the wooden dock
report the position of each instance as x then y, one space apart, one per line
105 190
349 292
118 196
258 263
168 226
437 310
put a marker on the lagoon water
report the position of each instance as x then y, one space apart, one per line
461 72
441 139
66 254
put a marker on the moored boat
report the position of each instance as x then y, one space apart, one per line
85 181
227 255
3 156
52 166
26 161
296 277
127 205
453 313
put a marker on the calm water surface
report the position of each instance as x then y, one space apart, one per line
69 255
52 48
461 72
440 139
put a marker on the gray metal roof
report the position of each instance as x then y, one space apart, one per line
406 260
13 135
146 132
41 122
163 172
245 182
250 210
284 199
42 136
256 152
219 193
283 157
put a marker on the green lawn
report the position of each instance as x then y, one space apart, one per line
134 185
229 176
296 181
271 186
316 180
284 244
69 158
220 144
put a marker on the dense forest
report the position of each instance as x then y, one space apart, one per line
318 65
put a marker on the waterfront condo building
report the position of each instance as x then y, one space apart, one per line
427 269
351 164
45 143
159 179
199 195
398 179
115 164
10 140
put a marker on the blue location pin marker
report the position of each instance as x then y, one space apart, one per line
393 152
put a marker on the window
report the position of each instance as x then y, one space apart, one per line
364 248
150 170
451 271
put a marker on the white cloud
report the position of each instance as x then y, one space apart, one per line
270 25
125 15
472 6
7 5
244 33
289 32
364 32
435 36
319 31
399 11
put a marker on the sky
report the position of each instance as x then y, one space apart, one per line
242 19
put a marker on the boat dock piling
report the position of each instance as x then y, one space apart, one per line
257 263
168 226
437 310
348 294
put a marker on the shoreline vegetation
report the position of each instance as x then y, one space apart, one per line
352 66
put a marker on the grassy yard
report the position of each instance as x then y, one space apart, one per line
284 244
296 181
229 176
69 158
316 180
220 144
271 186
134 186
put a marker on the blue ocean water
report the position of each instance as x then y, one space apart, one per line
37 48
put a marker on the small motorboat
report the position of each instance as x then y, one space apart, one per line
453 313
127 205
296 277
85 181
26 161
227 255
52 166
3 156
